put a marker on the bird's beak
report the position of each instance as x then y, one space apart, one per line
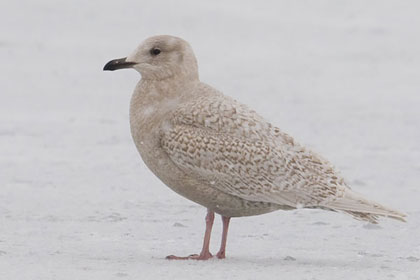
120 63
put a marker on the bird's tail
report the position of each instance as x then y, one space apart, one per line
362 209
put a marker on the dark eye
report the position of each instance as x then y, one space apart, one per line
155 51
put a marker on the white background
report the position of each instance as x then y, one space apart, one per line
77 202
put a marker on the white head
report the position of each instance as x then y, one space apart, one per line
160 57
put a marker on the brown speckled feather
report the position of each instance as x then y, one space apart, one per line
227 146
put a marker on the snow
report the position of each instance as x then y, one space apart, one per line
76 202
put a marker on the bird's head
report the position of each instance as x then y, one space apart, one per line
160 57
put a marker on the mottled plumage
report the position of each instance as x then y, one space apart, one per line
227 146
218 152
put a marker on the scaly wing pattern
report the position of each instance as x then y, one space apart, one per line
229 147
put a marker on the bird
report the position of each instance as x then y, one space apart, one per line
221 154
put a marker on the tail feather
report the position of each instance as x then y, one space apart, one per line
363 209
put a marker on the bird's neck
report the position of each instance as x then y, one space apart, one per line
152 91
154 100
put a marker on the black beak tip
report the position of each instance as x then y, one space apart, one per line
109 66
116 64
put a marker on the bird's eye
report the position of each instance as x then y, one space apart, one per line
155 51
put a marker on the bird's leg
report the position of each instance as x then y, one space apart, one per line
205 252
222 252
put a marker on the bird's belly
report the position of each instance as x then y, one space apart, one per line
182 183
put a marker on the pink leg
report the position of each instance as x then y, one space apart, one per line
205 252
222 252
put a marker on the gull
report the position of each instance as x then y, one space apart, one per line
221 154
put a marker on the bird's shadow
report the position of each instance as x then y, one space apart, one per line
270 261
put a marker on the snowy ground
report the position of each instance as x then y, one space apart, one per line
76 202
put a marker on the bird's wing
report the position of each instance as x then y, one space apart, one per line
254 170
226 145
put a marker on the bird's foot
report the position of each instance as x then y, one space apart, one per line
221 255
200 257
